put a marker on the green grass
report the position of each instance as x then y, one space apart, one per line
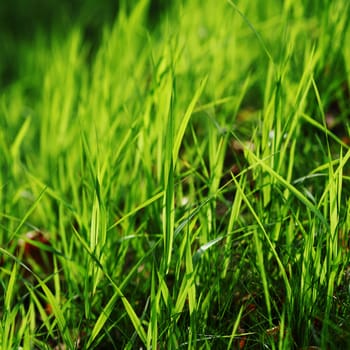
190 179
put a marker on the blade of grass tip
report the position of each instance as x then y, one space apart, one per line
235 327
184 122
170 163
138 208
131 343
289 186
10 287
333 215
8 328
259 252
321 109
324 129
29 211
23 326
338 172
152 334
250 25
340 175
190 272
168 199
136 266
152 331
95 224
283 341
27 342
56 279
18 261
186 284
51 192
187 288
169 217
216 103
19 138
234 214
45 318
190 216
102 319
165 292
58 313
204 248
134 319
128 308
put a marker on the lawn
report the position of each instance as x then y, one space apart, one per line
176 176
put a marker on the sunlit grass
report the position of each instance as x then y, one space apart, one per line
191 182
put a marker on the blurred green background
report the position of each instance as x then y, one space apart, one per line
22 20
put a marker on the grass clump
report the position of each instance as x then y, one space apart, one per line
185 185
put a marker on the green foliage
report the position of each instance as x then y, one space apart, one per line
183 184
